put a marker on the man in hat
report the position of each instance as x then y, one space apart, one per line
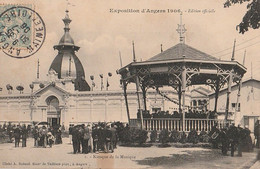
248 145
101 137
75 139
85 139
108 138
240 140
24 133
95 138
81 140
224 140
36 135
70 132
232 135
113 137
10 131
17 136
90 141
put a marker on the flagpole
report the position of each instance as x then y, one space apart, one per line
121 65
238 107
230 79
107 83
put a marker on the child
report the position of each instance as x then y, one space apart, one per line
50 138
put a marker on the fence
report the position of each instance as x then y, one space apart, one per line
176 124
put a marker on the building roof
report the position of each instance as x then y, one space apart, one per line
66 39
180 50
66 63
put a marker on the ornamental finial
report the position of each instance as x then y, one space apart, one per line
67 21
181 29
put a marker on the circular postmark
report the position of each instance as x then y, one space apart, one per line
22 32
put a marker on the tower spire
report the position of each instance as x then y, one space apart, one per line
67 21
134 59
181 30
233 53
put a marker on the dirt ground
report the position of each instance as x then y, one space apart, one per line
61 156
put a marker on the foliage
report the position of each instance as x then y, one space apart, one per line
119 129
183 137
153 136
124 135
133 135
164 136
193 137
204 137
175 136
252 17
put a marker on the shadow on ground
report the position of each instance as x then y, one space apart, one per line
188 157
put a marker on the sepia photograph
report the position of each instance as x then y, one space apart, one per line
112 84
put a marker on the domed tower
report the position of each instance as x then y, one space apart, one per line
66 64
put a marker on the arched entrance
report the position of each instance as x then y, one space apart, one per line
53 111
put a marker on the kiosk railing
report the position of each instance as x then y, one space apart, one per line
176 124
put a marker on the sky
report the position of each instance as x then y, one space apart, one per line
101 34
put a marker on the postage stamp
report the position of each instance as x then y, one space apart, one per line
22 31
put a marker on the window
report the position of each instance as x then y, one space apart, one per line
233 105
155 110
246 121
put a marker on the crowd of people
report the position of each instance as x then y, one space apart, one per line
85 139
15 132
43 135
231 137
98 138
103 137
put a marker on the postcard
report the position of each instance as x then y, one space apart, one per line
129 84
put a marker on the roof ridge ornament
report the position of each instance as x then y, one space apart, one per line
181 30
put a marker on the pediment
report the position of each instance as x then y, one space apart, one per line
51 88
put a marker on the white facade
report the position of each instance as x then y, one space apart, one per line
249 108
58 103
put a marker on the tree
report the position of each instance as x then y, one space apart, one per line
252 17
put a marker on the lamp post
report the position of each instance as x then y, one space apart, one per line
102 84
31 87
92 81
9 88
109 75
